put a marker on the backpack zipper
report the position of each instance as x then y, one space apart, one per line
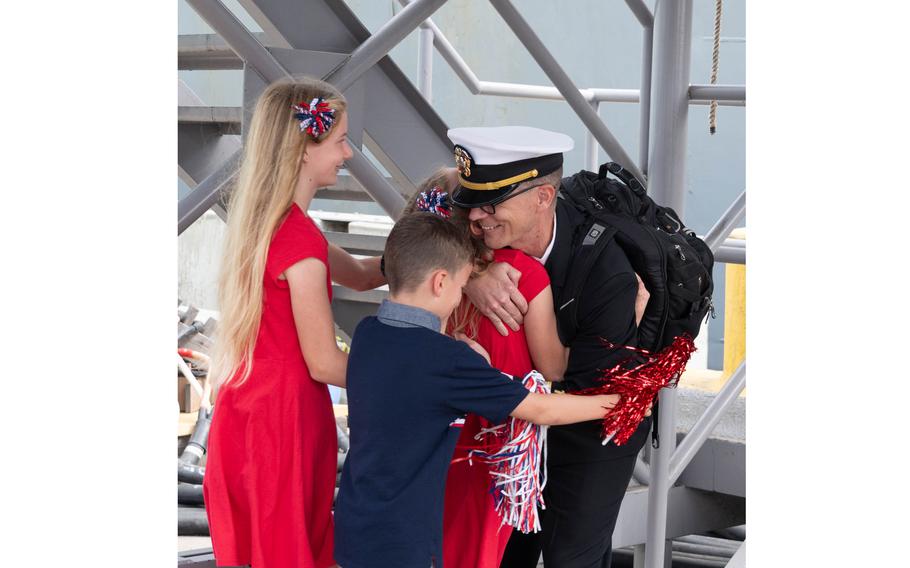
679 250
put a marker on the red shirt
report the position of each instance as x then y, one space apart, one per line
473 534
273 452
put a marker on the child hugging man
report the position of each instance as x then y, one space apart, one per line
409 386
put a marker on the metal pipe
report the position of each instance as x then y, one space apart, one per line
721 229
591 158
375 184
379 44
244 44
425 62
451 55
718 92
561 81
658 491
644 112
207 192
706 422
730 255
672 58
642 12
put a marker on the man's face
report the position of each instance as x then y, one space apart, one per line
511 225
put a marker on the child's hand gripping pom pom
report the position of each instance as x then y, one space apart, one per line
638 384
515 465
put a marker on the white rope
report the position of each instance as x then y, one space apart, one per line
714 61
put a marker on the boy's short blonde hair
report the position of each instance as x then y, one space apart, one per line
420 243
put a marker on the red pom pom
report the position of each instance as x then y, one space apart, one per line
638 383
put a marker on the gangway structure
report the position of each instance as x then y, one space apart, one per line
684 488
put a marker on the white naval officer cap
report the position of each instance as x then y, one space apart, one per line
493 160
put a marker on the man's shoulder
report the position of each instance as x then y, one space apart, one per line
610 262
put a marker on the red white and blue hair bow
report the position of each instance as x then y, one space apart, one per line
316 118
435 201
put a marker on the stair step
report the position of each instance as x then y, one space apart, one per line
209 52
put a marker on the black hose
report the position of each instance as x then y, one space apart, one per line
195 448
189 494
189 473
191 521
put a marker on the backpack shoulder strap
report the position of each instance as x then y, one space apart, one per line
585 253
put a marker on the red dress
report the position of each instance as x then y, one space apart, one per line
473 534
273 450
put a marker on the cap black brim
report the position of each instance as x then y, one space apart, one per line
470 198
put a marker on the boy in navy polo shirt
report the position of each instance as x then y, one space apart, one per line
408 385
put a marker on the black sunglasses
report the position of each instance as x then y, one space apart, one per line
490 208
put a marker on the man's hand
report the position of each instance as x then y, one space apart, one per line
641 300
495 293
473 345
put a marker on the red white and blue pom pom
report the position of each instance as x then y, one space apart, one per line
435 201
316 118
518 467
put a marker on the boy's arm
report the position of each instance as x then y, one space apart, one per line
558 408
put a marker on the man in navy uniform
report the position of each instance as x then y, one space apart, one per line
509 179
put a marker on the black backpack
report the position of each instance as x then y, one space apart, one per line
675 265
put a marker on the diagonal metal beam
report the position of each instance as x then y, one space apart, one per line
706 423
721 229
239 39
247 46
380 43
561 81
207 193
642 12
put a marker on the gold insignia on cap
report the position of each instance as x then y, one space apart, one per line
462 161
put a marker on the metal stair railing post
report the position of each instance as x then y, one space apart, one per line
706 423
672 53
561 81
646 19
656 545
425 38
592 161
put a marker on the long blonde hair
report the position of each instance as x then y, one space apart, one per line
259 203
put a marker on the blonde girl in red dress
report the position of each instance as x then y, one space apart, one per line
270 474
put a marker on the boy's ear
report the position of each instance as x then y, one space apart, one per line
438 280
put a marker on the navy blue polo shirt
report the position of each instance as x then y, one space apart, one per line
408 389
